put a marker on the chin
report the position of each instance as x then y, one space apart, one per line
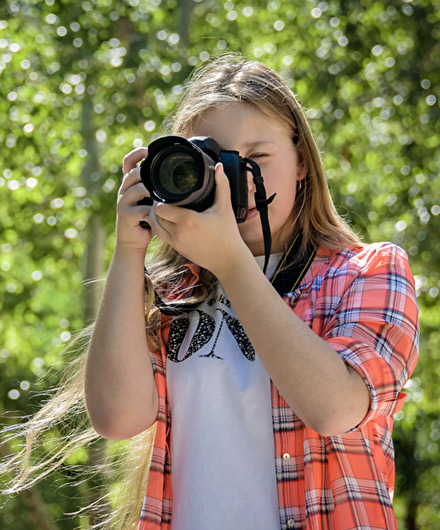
255 244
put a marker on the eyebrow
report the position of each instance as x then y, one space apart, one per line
257 143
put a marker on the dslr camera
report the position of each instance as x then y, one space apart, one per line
181 172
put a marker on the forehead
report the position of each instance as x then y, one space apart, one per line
241 125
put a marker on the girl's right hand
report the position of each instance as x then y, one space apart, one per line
129 232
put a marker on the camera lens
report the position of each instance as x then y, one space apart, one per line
177 173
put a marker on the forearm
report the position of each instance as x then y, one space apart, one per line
328 395
121 393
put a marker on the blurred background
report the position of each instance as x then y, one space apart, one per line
83 83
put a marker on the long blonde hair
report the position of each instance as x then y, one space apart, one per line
224 81
230 80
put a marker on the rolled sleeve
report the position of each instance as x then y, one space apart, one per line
375 327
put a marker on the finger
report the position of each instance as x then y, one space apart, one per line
158 226
133 158
173 214
130 178
145 222
132 216
134 194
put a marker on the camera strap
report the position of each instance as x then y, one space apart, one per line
261 203
291 270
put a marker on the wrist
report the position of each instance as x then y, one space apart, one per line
129 256
235 265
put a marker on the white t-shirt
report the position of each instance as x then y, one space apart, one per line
222 449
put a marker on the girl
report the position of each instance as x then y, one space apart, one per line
271 411
270 395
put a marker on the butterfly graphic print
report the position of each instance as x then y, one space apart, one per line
199 331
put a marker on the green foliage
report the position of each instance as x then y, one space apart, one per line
83 83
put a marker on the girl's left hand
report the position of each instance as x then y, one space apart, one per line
210 238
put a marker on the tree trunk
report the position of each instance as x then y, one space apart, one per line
94 268
411 516
37 510
185 8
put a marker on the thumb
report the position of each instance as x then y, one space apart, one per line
223 190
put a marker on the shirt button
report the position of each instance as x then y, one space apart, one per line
290 523
286 456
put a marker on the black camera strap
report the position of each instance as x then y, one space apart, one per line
290 270
286 278
261 203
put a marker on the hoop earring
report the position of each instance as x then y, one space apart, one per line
299 185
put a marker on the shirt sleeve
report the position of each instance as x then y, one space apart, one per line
375 327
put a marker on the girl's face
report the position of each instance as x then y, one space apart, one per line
267 141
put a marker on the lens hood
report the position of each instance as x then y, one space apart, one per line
178 171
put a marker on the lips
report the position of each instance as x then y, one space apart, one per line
252 212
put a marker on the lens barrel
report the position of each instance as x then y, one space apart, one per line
182 172
177 172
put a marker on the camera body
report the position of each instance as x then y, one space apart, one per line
182 172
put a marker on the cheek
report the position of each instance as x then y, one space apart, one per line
279 178
285 188
286 204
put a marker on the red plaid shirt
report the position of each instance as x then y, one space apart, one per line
362 302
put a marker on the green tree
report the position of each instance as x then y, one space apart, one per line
82 83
